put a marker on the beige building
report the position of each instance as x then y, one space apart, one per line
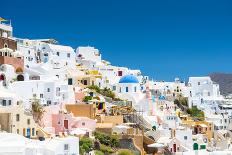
14 119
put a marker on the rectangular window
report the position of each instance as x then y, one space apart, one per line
17 117
69 81
66 147
3 102
135 89
28 121
199 83
49 102
41 95
185 137
83 123
119 73
48 89
9 102
58 53
33 131
85 82
68 55
127 89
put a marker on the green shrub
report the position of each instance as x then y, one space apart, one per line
87 98
97 152
195 112
106 149
86 145
108 140
125 152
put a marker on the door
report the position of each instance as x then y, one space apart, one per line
66 124
174 147
28 133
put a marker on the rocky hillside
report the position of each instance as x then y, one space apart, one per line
225 82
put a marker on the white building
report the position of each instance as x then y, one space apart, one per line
14 144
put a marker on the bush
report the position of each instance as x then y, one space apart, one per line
87 98
125 152
108 140
195 112
97 152
105 92
106 149
86 145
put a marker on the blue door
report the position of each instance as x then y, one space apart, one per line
28 133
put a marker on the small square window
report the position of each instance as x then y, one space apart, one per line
185 137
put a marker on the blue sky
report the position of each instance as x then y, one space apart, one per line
163 38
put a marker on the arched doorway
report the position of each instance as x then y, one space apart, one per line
20 78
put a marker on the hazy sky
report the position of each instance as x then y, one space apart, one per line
163 38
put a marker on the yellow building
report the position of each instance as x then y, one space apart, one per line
14 119
198 127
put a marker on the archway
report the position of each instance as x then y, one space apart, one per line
19 70
20 78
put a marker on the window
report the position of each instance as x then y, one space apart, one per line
69 81
41 95
58 53
29 51
85 82
48 89
3 102
17 131
17 117
49 102
5 45
119 73
66 147
127 89
199 83
83 123
68 55
208 93
185 137
135 89
24 132
114 87
28 121
33 131
120 90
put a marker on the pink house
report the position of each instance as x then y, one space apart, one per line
55 122
66 123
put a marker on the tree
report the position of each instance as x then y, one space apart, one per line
86 145
37 109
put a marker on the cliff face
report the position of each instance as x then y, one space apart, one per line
224 80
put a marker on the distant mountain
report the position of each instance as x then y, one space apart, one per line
225 82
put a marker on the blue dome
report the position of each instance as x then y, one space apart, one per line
128 79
